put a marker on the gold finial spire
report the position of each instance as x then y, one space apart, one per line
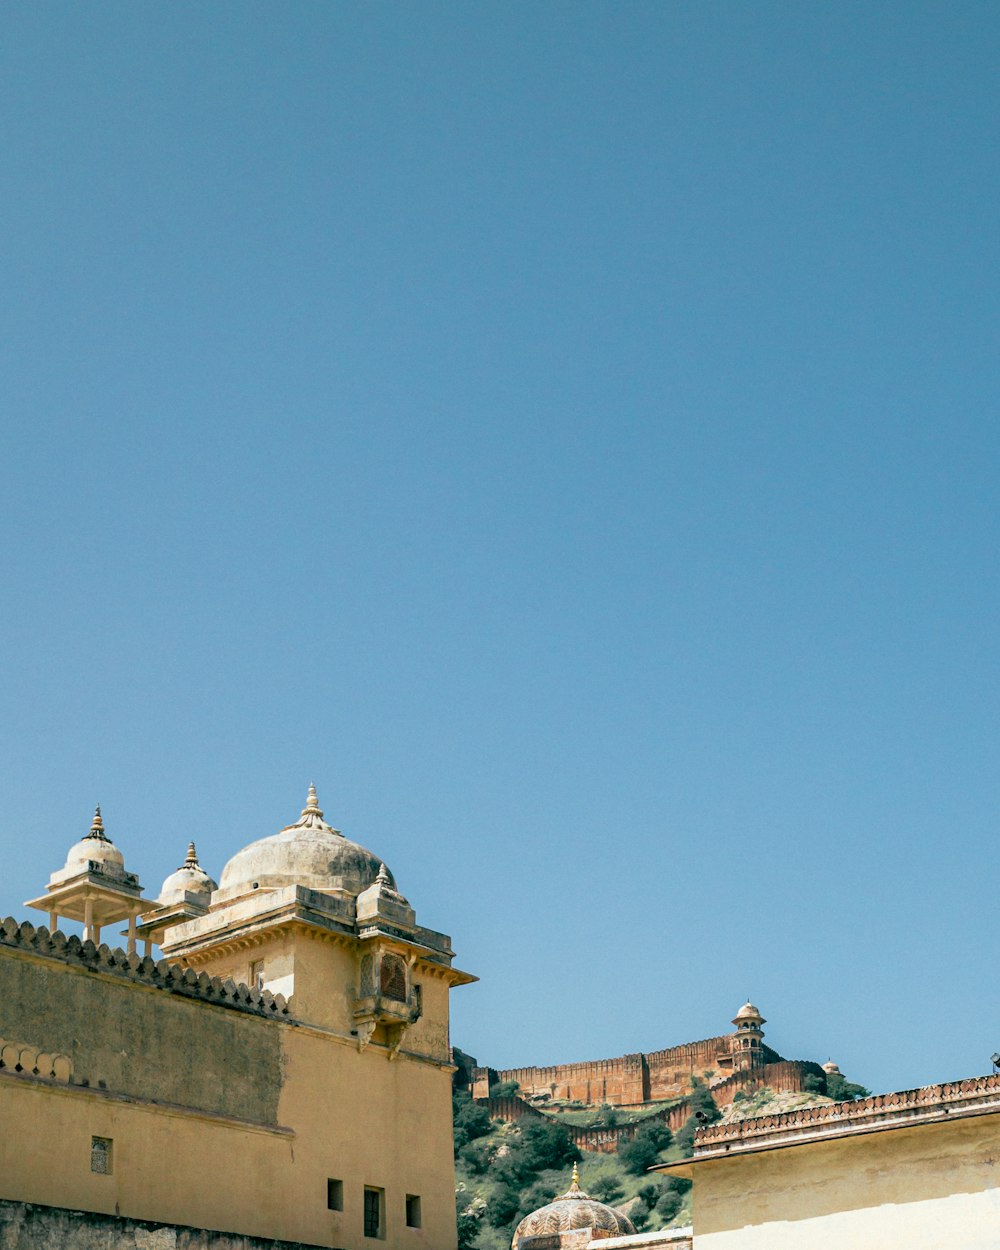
97 828
576 1177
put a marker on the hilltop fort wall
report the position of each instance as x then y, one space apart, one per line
631 1080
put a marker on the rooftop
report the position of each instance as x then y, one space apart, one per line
882 1112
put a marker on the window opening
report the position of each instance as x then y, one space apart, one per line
334 1195
101 1155
373 1212
412 1210
393 978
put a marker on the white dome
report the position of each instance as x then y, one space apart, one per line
190 878
96 847
309 853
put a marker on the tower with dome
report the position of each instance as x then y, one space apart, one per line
281 1072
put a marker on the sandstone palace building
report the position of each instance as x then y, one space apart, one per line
282 1072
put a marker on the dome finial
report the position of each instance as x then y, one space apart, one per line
383 875
312 807
576 1178
192 857
97 828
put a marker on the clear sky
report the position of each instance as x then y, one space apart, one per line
565 432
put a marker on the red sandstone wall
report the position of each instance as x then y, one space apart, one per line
670 1070
786 1074
626 1081
620 1081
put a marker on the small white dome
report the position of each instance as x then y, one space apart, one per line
190 878
96 847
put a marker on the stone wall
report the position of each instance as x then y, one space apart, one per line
626 1081
24 1226
114 1022
786 1075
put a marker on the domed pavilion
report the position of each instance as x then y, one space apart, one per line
307 886
572 1220
93 887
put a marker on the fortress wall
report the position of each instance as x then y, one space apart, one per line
620 1081
670 1070
787 1076
99 1014
625 1081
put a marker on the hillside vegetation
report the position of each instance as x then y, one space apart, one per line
504 1171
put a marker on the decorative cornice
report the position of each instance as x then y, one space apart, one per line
954 1100
159 975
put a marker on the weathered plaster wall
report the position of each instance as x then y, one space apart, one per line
211 1126
929 1187
142 1041
371 1121
27 1227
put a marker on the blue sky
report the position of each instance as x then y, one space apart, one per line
568 433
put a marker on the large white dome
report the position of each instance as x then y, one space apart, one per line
310 853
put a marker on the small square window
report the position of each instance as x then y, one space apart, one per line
412 1210
334 1195
101 1155
374 1206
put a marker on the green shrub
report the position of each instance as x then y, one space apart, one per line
477 1155
504 1089
544 1144
605 1188
669 1204
468 1223
469 1120
650 1194
641 1152
841 1090
504 1203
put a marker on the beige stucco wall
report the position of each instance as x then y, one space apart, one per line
139 1040
926 1187
225 1120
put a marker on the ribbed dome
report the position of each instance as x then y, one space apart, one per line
190 878
310 853
748 1012
95 847
574 1209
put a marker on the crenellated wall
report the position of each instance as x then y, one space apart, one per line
786 1075
120 1023
628 1080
